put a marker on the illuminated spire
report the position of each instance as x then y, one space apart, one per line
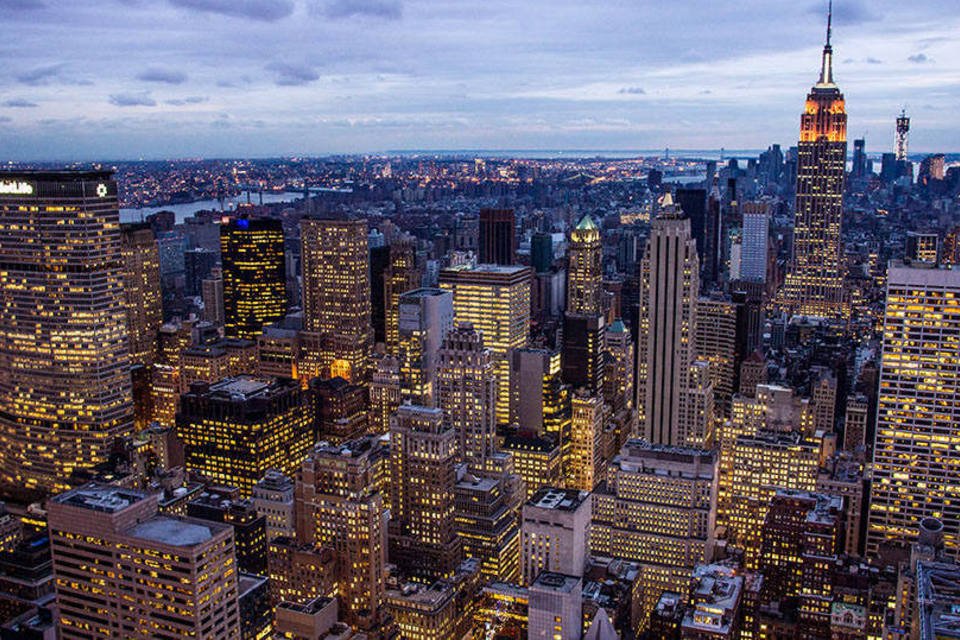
826 69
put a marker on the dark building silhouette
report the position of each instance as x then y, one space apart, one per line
498 240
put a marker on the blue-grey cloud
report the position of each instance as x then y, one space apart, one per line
386 9
161 74
19 103
919 58
872 60
141 99
265 10
633 91
21 5
292 75
5 119
41 75
179 102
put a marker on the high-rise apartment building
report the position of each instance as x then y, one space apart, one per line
467 392
336 298
65 383
814 284
670 389
657 508
423 451
237 429
425 316
211 292
915 466
141 288
496 301
122 570
254 275
498 238
339 506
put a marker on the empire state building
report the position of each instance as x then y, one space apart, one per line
814 284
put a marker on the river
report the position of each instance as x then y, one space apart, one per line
186 210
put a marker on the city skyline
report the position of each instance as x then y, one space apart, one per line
210 78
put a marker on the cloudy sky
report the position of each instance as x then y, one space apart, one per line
118 79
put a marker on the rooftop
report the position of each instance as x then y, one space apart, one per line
175 532
558 499
550 581
103 498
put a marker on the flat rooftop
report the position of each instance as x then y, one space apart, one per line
550 581
424 292
175 532
102 498
558 499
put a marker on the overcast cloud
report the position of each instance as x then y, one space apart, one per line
118 79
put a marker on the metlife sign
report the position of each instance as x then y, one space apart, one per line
16 188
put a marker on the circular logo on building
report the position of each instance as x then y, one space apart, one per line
102 190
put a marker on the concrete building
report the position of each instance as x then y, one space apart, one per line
105 543
425 317
555 531
555 607
273 499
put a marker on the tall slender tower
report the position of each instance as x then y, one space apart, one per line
141 285
336 297
254 275
400 276
583 322
467 391
902 140
584 278
669 389
65 389
814 285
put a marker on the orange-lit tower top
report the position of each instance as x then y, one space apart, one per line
825 115
814 285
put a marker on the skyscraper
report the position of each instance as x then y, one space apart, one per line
669 388
123 570
338 505
141 288
753 243
498 238
400 277
336 298
915 466
901 141
584 275
583 322
814 284
237 429
425 317
423 452
496 301
658 508
467 391
254 275
64 354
